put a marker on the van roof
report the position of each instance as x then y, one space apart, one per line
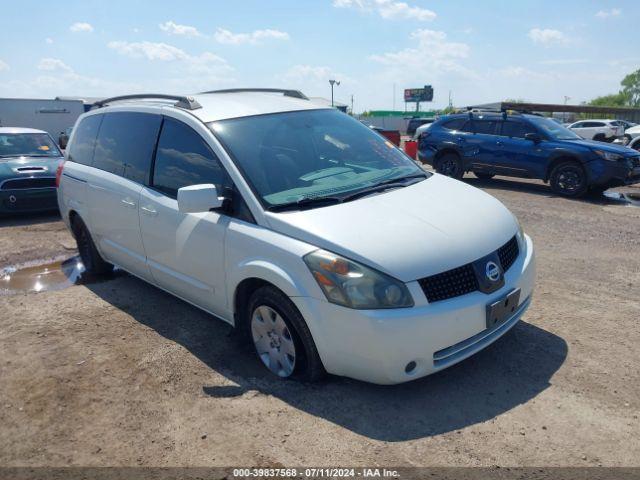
232 104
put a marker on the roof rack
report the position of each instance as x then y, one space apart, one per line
188 103
284 91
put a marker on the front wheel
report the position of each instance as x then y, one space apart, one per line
568 179
450 165
281 337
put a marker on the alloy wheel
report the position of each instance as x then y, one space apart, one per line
569 179
273 341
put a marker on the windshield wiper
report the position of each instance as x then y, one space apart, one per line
386 185
305 203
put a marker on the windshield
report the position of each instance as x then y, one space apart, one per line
28 145
295 156
553 129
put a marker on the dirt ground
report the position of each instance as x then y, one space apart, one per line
121 373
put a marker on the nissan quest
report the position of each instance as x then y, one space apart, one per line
318 239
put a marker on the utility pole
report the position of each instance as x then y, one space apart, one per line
352 104
333 82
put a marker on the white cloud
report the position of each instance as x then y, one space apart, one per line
205 70
81 27
547 37
257 36
48 40
149 50
173 28
389 9
564 61
614 12
53 64
3 66
432 51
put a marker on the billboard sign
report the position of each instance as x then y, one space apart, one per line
424 94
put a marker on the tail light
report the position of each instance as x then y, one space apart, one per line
59 172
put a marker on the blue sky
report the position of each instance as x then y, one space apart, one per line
480 50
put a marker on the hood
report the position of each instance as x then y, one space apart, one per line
409 233
17 166
606 147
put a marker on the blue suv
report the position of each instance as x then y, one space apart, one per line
526 146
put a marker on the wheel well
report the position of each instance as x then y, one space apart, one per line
73 215
446 151
243 291
557 161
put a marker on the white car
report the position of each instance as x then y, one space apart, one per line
632 137
317 238
599 130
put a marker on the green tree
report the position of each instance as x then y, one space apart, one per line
614 100
631 88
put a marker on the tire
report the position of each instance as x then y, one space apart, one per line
568 179
600 137
450 165
484 176
91 259
273 340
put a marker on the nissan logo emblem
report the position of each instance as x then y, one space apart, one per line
492 271
12 198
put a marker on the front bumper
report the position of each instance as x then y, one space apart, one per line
28 200
376 345
613 174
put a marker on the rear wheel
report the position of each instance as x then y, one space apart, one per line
483 176
91 259
281 337
568 179
600 137
450 165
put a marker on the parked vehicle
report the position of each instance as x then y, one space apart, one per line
420 129
28 162
414 123
312 239
634 137
527 146
598 130
631 130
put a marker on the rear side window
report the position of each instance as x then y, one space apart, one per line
592 124
484 126
84 140
183 158
516 129
125 144
455 124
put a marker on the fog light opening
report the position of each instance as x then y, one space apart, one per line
410 368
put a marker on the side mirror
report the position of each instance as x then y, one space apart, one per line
534 137
199 198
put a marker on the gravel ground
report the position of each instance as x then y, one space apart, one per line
120 373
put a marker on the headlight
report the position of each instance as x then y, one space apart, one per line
352 285
614 157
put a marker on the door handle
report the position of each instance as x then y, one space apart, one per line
149 211
128 202
499 143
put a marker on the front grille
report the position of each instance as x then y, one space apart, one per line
508 253
451 283
25 183
463 280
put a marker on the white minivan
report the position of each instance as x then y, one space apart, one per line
319 240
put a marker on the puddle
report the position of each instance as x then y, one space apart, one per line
44 277
628 198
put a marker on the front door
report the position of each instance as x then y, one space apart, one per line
517 156
185 251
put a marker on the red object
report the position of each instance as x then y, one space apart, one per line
392 135
411 148
59 173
